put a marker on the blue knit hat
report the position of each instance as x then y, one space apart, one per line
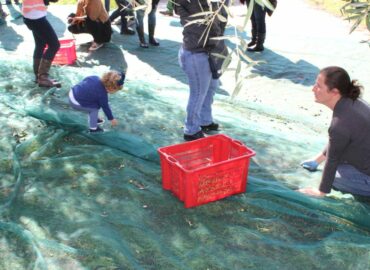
121 81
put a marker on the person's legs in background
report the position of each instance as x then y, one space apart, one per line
152 20
140 27
116 13
259 15
107 5
169 11
125 30
8 2
253 41
123 10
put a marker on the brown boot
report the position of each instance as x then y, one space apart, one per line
43 75
36 64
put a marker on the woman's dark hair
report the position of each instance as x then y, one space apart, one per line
337 77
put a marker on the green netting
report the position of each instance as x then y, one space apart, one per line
71 200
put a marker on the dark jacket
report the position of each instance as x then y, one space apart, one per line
269 12
91 93
349 140
197 37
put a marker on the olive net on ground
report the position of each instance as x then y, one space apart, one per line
74 200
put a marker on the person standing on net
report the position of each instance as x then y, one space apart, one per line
194 59
258 20
347 155
152 21
34 16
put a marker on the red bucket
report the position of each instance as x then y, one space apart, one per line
66 54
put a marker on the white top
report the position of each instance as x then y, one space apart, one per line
35 14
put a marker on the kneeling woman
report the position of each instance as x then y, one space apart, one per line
347 155
92 18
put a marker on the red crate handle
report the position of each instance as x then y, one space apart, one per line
171 160
238 142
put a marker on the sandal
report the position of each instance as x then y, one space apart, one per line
95 46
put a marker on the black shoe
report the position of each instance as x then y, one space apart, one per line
257 48
127 31
144 45
153 41
98 129
252 43
193 137
210 127
100 121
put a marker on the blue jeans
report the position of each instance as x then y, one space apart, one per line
93 114
350 180
43 34
202 89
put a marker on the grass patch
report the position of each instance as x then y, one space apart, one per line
113 4
332 6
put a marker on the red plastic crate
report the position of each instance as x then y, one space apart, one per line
205 170
66 54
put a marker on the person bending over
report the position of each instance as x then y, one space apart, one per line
91 94
347 155
92 18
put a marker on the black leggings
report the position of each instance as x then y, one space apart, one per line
44 34
258 19
124 9
101 32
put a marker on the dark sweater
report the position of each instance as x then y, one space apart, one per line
195 35
349 140
91 93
